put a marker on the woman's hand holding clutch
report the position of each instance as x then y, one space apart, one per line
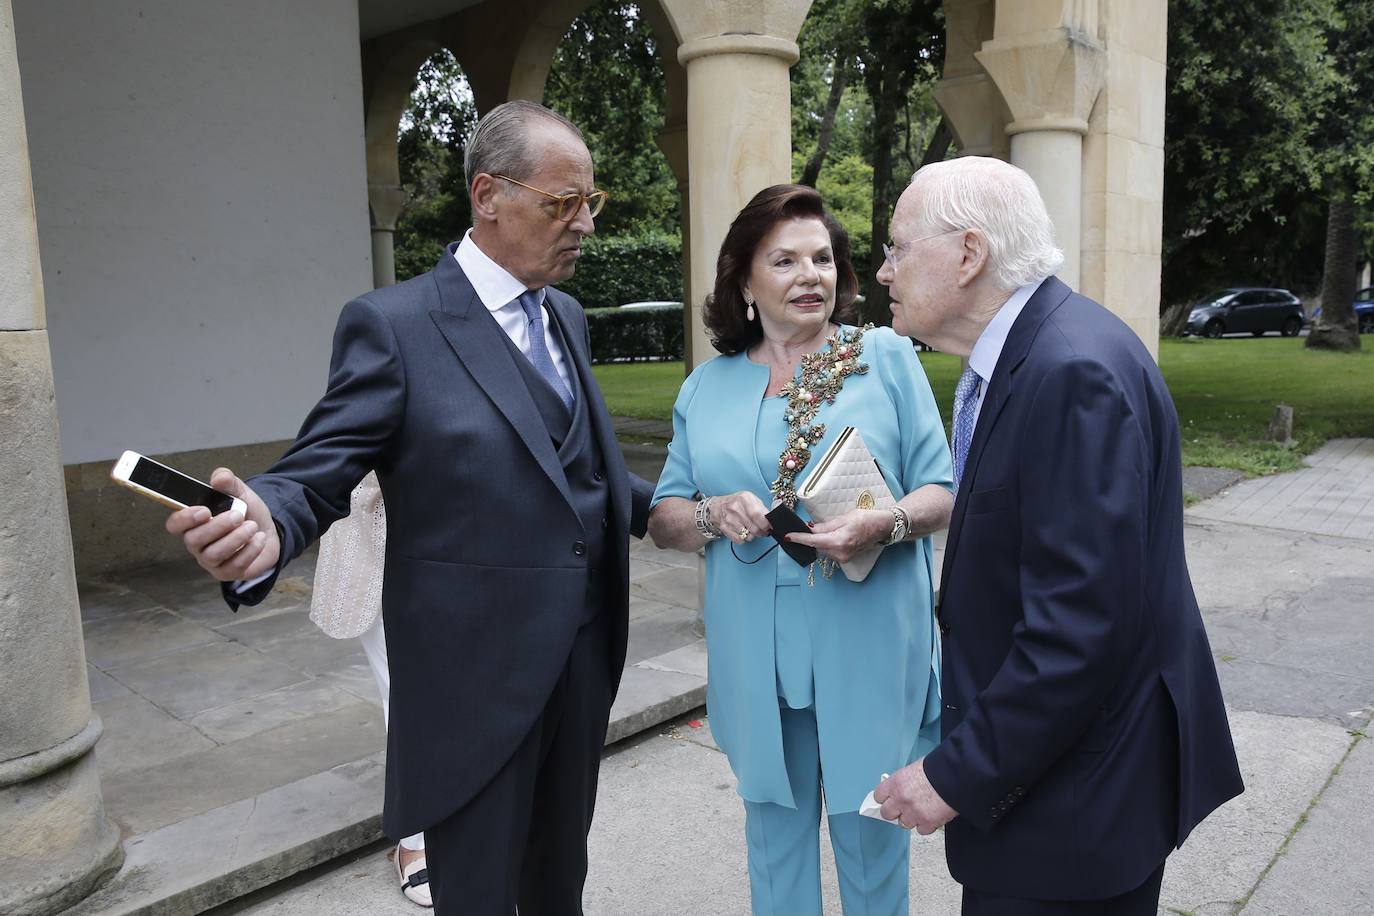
841 538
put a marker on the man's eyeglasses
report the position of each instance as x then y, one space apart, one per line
568 204
894 253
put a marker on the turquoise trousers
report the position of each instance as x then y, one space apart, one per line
872 857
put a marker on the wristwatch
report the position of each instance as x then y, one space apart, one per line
900 525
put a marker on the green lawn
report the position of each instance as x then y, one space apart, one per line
1225 391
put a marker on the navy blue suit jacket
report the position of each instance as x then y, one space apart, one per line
1084 731
484 579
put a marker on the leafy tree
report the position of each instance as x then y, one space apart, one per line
1268 150
893 49
1345 142
434 126
608 80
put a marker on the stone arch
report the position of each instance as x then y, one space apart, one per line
386 90
535 49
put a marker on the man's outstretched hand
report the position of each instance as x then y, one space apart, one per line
229 546
910 800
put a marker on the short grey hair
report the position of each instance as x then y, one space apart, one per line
1000 201
501 143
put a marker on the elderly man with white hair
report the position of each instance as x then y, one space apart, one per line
1084 734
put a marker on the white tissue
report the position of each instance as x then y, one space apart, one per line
869 807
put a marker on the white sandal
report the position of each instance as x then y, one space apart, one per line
414 880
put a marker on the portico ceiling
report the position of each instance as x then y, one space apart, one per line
378 17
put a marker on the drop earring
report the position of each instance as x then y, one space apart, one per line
749 312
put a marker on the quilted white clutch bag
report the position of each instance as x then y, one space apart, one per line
847 478
348 575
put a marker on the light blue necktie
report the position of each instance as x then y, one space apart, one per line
539 351
965 402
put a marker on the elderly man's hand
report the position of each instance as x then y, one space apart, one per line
909 799
841 538
229 546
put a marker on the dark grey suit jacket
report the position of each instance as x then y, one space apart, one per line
485 579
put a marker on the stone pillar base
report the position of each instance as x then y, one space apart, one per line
56 845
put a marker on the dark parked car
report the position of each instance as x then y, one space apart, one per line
1247 309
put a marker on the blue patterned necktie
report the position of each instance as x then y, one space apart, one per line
965 402
539 351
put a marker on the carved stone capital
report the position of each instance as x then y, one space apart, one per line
1049 80
385 203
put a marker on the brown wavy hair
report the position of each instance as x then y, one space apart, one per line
724 310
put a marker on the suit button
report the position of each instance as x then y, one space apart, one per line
599 476
605 524
579 548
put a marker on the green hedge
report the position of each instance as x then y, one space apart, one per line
627 268
631 334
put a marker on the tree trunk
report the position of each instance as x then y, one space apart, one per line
938 146
1336 328
884 132
832 105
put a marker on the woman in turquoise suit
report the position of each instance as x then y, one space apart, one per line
817 685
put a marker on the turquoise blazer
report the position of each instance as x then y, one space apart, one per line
875 653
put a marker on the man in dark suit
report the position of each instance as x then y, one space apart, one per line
1084 734
469 390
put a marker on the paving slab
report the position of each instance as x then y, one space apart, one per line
138 735
650 695
187 682
132 636
146 799
1284 761
1326 867
223 853
1331 495
254 715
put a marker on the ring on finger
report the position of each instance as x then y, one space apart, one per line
745 534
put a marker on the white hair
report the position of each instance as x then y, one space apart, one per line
1001 202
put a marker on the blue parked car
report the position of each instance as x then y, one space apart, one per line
1247 309
1364 310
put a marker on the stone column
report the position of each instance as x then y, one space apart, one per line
56 844
1123 168
1049 80
384 203
739 142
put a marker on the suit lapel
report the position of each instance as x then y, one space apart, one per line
1046 299
476 338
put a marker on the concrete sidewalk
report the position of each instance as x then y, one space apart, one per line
1292 623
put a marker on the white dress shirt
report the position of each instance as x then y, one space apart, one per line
988 349
499 291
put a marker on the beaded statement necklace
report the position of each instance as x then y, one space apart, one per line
822 376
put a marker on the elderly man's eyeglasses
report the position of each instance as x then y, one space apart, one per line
895 252
568 204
